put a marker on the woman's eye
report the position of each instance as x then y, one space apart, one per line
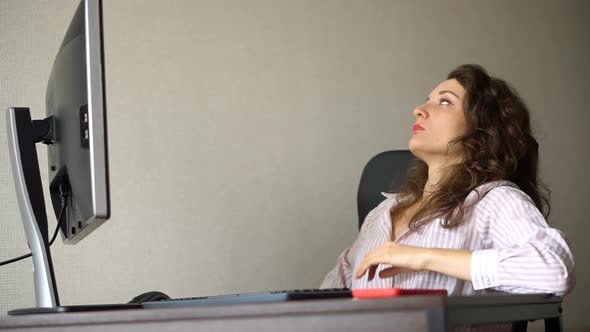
445 101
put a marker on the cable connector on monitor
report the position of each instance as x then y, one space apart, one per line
44 130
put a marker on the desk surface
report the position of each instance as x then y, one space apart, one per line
415 313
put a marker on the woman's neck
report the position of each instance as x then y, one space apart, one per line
438 173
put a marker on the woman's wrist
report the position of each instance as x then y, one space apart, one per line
453 262
427 257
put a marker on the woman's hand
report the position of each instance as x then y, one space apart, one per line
402 258
452 262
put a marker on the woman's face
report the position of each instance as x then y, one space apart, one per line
441 119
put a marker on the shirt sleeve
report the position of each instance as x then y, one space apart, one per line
523 254
341 275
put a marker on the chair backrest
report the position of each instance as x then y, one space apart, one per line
385 172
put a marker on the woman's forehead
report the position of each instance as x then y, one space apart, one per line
451 85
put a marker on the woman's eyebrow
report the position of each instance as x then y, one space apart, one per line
446 91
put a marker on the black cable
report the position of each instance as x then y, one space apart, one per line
60 221
6 262
59 224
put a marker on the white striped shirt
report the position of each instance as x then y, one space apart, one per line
513 248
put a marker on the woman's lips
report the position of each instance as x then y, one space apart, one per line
418 128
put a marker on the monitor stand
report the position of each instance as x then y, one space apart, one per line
22 136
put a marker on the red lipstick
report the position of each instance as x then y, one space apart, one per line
418 127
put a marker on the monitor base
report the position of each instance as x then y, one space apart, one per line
73 308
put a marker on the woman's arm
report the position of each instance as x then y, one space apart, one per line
524 254
403 258
453 262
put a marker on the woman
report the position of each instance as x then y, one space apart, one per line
468 218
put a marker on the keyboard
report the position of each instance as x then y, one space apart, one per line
257 297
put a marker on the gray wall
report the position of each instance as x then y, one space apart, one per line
238 130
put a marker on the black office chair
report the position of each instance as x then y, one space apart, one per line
386 172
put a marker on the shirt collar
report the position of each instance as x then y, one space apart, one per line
389 195
482 187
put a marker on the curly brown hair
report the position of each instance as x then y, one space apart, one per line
498 145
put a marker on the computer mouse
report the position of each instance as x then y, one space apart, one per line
150 297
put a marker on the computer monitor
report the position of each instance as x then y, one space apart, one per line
75 99
75 132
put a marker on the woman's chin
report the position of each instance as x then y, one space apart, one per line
415 146
419 149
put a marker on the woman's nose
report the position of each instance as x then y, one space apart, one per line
420 112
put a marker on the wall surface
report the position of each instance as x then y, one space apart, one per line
238 130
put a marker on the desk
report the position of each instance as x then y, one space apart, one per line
412 313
